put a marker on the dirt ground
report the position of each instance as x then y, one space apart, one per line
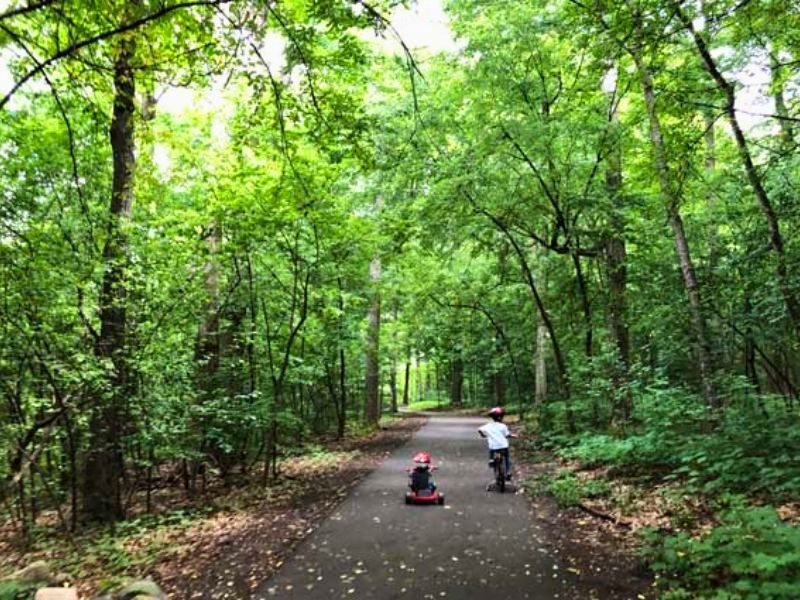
602 552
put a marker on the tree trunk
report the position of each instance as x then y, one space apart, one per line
785 120
710 166
393 385
750 349
102 494
372 413
586 305
436 381
342 395
207 350
541 365
616 258
498 389
457 383
704 352
406 381
498 385
419 377
342 412
710 139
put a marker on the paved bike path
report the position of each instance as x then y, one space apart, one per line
481 545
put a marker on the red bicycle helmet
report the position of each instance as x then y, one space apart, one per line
497 411
422 457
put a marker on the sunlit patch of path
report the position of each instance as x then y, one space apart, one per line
480 545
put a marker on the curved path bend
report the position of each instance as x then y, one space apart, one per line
481 545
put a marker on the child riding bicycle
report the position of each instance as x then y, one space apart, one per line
496 434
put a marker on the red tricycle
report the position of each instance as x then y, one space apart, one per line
420 480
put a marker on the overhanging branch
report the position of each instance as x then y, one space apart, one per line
70 50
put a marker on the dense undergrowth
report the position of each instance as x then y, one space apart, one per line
734 474
749 553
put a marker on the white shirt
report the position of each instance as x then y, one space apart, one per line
496 435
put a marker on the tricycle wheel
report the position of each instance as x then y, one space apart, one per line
408 499
440 500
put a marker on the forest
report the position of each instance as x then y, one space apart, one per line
230 229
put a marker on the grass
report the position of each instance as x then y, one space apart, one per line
428 405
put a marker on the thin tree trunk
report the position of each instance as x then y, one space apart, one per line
540 365
418 376
373 346
252 364
149 483
23 515
342 413
102 498
710 140
616 257
436 381
785 121
33 496
406 382
457 383
342 395
73 471
341 425
381 391
372 408
273 433
393 385
750 349
704 352
586 305
207 350
498 385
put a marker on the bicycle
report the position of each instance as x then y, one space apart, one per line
499 468
496 434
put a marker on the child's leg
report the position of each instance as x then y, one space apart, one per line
507 457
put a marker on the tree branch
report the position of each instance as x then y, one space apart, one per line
103 36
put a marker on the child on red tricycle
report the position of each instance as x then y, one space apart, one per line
420 480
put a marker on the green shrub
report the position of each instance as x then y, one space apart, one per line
16 590
431 404
601 449
568 490
752 554
755 456
747 451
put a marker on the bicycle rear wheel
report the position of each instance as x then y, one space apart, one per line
500 473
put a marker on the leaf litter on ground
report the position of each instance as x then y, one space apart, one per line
224 543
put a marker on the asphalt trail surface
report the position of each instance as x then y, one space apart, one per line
481 545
